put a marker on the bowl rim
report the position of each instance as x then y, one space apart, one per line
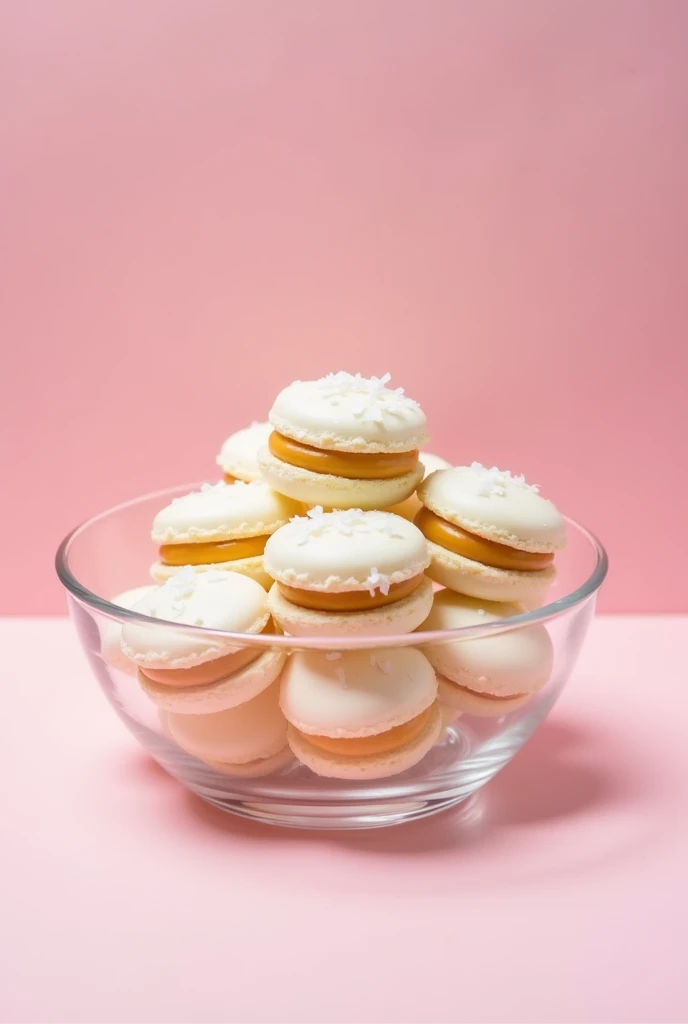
546 612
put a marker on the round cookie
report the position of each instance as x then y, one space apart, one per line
222 526
491 535
249 740
492 675
344 441
238 456
360 714
111 630
349 572
412 506
196 673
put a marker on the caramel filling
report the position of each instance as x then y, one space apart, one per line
382 743
489 696
349 600
488 552
229 479
208 672
208 554
351 465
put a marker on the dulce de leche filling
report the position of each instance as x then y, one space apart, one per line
488 552
349 600
382 743
208 672
350 465
212 552
228 478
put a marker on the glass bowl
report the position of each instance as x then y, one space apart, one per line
112 553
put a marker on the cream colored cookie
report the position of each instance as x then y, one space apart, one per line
220 526
493 673
348 572
215 600
496 505
111 630
242 735
238 456
360 714
349 413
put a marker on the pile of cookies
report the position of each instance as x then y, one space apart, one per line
330 521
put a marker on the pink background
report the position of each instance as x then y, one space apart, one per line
203 200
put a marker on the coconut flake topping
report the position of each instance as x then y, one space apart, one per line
377 581
374 399
346 523
494 481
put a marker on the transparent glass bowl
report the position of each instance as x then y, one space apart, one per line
112 553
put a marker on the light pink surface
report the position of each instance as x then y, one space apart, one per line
201 201
561 897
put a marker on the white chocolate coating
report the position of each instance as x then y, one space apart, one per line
359 693
349 413
223 601
506 665
346 551
221 512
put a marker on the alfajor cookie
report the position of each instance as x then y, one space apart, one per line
192 672
491 535
238 456
412 506
361 714
348 573
344 441
249 740
111 630
492 675
222 526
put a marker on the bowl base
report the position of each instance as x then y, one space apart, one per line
332 818
450 774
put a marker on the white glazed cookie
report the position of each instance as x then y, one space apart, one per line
336 551
215 600
349 413
361 714
344 441
348 572
220 526
238 456
244 736
491 535
490 675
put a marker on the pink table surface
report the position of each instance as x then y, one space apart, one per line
561 897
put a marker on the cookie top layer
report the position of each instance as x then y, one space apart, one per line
496 505
349 413
216 600
508 664
341 551
221 512
356 693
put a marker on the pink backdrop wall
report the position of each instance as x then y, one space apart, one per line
202 200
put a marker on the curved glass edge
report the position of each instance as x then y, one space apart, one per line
538 615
